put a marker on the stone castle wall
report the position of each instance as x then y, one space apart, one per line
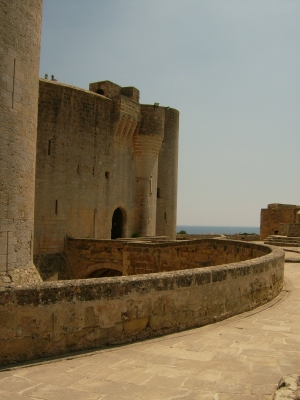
290 230
275 214
97 151
86 256
59 317
77 167
20 31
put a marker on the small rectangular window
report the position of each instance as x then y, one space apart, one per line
49 147
107 174
56 207
158 193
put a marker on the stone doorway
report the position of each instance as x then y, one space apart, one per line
117 224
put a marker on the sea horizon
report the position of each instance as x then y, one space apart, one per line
226 230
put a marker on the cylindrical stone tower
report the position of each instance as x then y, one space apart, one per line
20 33
147 144
166 209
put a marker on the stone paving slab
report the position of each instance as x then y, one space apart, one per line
243 357
292 256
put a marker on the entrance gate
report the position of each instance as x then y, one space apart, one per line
117 224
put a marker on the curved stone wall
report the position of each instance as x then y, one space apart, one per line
59 317
20 32
85 256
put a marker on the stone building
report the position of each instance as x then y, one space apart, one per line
106 165
278 219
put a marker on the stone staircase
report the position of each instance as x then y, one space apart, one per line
283 241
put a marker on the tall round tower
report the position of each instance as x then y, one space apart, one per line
166 211
147 143
20 33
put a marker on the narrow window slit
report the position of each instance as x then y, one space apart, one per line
56 207
107 174
49 147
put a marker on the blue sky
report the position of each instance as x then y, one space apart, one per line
231 67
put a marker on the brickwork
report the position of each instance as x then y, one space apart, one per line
20 27
292 230
74 152
252 237
86 256
58 317
97 151
283 229
275 214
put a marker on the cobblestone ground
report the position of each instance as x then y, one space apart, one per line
240 358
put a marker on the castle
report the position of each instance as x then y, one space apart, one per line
79 168
80 163
106 165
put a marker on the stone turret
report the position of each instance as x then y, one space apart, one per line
147 143
166 209
20 33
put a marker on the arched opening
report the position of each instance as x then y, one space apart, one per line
104 273
100 91
117 224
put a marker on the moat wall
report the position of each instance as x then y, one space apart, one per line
86 256
58 317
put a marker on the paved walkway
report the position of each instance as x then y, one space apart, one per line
240 358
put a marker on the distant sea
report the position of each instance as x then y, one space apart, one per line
226 230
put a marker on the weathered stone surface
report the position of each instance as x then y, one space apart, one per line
135 258
275 215
240 358
99 151
20 32
288 388
57 317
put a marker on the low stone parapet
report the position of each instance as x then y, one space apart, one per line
87 256
58 317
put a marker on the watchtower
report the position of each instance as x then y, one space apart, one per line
20 33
